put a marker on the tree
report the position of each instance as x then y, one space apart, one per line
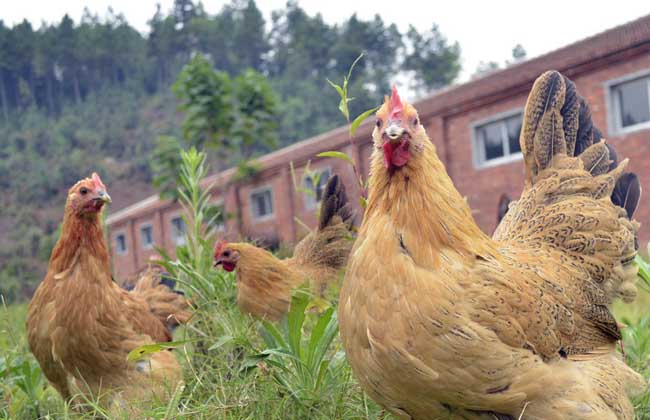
206 97
518 54
165 161
254 125
233 117
485 68
432 58
162 45
249 38
4 69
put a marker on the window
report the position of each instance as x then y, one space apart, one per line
262 204
178 230
120 243
146 236
497 141
630 104
316 184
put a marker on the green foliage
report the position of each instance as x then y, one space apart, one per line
146 350
234 117
254 127
434 61
165 161
22 391
343 92
644 270
205 96
307 366
636 339
247 169
193 266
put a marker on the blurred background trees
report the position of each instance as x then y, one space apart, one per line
96 94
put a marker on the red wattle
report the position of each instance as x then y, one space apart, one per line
396 154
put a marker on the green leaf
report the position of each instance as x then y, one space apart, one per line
315 341
144 350
220 342
363 202
338 88
337 155
343 107
354 63
296 318
361 118
644 269
275 334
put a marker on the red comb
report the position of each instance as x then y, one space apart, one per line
97 181
219 248
395 104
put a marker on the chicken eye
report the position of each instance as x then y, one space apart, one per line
83 191
226 253
416 121
378 123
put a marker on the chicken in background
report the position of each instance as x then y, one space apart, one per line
438 320
81 325
265 283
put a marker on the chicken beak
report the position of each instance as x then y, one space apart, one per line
217 262
394 131
103 196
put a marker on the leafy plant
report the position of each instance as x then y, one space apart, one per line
644 270
305 362
193 266
344 94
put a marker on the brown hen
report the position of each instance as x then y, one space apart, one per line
440 321
265 283
81 325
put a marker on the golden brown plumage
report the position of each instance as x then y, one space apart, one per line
440 321
265 283
81 325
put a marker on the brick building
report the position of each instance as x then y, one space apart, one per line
475 127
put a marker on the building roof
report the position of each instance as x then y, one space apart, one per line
614 44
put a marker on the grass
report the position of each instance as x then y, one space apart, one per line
240 371
239 368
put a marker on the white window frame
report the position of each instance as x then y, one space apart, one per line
153 241
220 203
612 105
250 201
479 161
310 202
178 240
126 245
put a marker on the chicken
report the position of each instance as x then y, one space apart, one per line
265 283
440 321
81 325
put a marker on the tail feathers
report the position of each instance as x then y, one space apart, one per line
502 208
554 99
169 305
627 193
334 203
